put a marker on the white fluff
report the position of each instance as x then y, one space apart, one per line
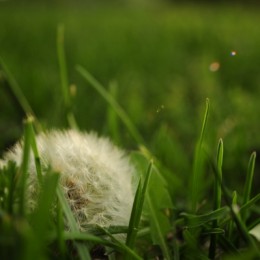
96 176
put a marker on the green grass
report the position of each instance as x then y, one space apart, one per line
199 197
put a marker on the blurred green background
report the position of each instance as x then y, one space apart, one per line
165 57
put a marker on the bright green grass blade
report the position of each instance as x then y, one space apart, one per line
198 220
250 203
63 65
82 236
41 216
112 118
137 210
156 230
218 181
60 230
23 172
217 198
231 222
112 102
241 227
64 78
249 181
35 149
122 246
157 202
196 180
81 248
240 224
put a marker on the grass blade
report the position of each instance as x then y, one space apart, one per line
82 249
16 90
112 102
219 180
22 174
198 163
157 228
122 247
18 95
249 181
198 220
112 118
137 210
250 203
35 150
40 218
217 198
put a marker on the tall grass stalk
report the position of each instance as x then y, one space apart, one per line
196 180
248 183
217 198
64 78
137 210
23 171
113 103
112 118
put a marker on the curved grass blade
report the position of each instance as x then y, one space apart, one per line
198 163
137 209
112 102
198 220
250 203
249 181
217 198
122 247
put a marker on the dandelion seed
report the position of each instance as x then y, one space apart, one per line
96 176
233 53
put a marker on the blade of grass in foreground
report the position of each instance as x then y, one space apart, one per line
40 218
22 174
217 198
81 248
156 226
137 210
113 103
240 224
249 181
35 149
198 163
122 247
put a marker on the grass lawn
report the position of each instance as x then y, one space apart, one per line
140 77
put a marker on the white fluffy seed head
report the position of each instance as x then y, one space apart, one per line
95 175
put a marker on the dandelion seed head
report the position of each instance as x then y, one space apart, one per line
96 176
